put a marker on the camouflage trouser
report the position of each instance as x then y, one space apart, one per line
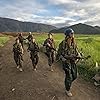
50 56
18 60
22 43
70 74
34 59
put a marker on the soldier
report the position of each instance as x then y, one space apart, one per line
50 49
30 37
66 53
34 49
18 52
21 38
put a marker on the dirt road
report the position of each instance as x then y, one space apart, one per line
39 85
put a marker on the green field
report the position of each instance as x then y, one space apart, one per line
3 40
90 45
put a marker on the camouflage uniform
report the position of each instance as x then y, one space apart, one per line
69 65
18 51
30 37
21 40
34 49
50 50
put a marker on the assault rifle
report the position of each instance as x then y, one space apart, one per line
52 48
74 58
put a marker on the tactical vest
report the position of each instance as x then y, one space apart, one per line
17 48
21 38
33 47
30 37
51 42
72 50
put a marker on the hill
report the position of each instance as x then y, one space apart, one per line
79 29
97 27
10 25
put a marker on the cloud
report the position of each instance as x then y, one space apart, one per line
82 12
21 9
57 2
54 12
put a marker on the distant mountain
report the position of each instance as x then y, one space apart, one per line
10 25
79 29
97 27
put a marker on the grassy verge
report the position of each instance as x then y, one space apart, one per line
3 40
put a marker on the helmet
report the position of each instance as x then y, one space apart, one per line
50 33
68 31
30 33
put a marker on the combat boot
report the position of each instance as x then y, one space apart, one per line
51 69
20 69
17 67
68 93
34 68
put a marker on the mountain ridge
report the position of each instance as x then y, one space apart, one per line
11 25
79 29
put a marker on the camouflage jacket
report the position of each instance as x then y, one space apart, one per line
17 48
30 37
21 38
49 44
64 51
33 47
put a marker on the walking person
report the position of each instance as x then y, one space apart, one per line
34 49
30 37
50 49
18 54
66 53
21 39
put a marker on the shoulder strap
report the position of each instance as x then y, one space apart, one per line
64 44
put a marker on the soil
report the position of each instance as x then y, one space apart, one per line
41 84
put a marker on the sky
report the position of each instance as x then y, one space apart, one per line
59 13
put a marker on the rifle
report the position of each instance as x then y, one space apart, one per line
75 57
49 44
52 48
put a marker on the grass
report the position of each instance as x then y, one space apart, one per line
3 40
90 45
41 37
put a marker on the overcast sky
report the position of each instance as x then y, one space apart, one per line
54 12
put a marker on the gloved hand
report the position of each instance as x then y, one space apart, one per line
62 58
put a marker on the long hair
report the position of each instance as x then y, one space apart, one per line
70 42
